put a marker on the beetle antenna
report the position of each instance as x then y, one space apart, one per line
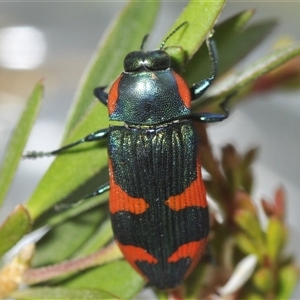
175 30
144 41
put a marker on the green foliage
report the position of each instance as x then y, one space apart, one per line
62 293
78 237
18 140
16 225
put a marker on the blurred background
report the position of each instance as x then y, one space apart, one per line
54 41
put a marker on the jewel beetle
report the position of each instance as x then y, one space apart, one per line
157 200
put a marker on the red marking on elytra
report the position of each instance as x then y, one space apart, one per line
194 195
134 254
119 200
193 250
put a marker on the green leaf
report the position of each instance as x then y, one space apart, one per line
201 17
70 171
103 235
16 225
248 245
232 45
263 279
63 176
254 296
248 221
249 157
238 80
124 35
63 241
118 278
223 33
276 238
288 279
18 140
162 295
242 43
56 218
195 281
49 293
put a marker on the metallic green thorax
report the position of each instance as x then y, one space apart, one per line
152 98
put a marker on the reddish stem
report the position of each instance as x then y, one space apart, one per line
33 276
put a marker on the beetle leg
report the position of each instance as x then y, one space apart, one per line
101 95
198 89
95 136
102 189
207 117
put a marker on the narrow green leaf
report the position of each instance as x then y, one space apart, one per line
233 24
69 171
103 235
117 277
239 79
222 33
250 157
233 43
85 205
288 279
195 281
276 238
248 221
72 168
254 296
242 43
162 295
63 241
18 140
201 17
49 293
120 39
263 279
248 245
16 225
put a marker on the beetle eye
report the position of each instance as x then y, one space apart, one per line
158 60
153 60
132 61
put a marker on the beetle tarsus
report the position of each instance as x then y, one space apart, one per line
92 137
102 189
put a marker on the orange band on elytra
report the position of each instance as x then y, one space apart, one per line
194 195
119 200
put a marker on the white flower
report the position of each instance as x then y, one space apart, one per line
241 274
215 210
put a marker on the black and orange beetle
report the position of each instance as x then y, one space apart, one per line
157 199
